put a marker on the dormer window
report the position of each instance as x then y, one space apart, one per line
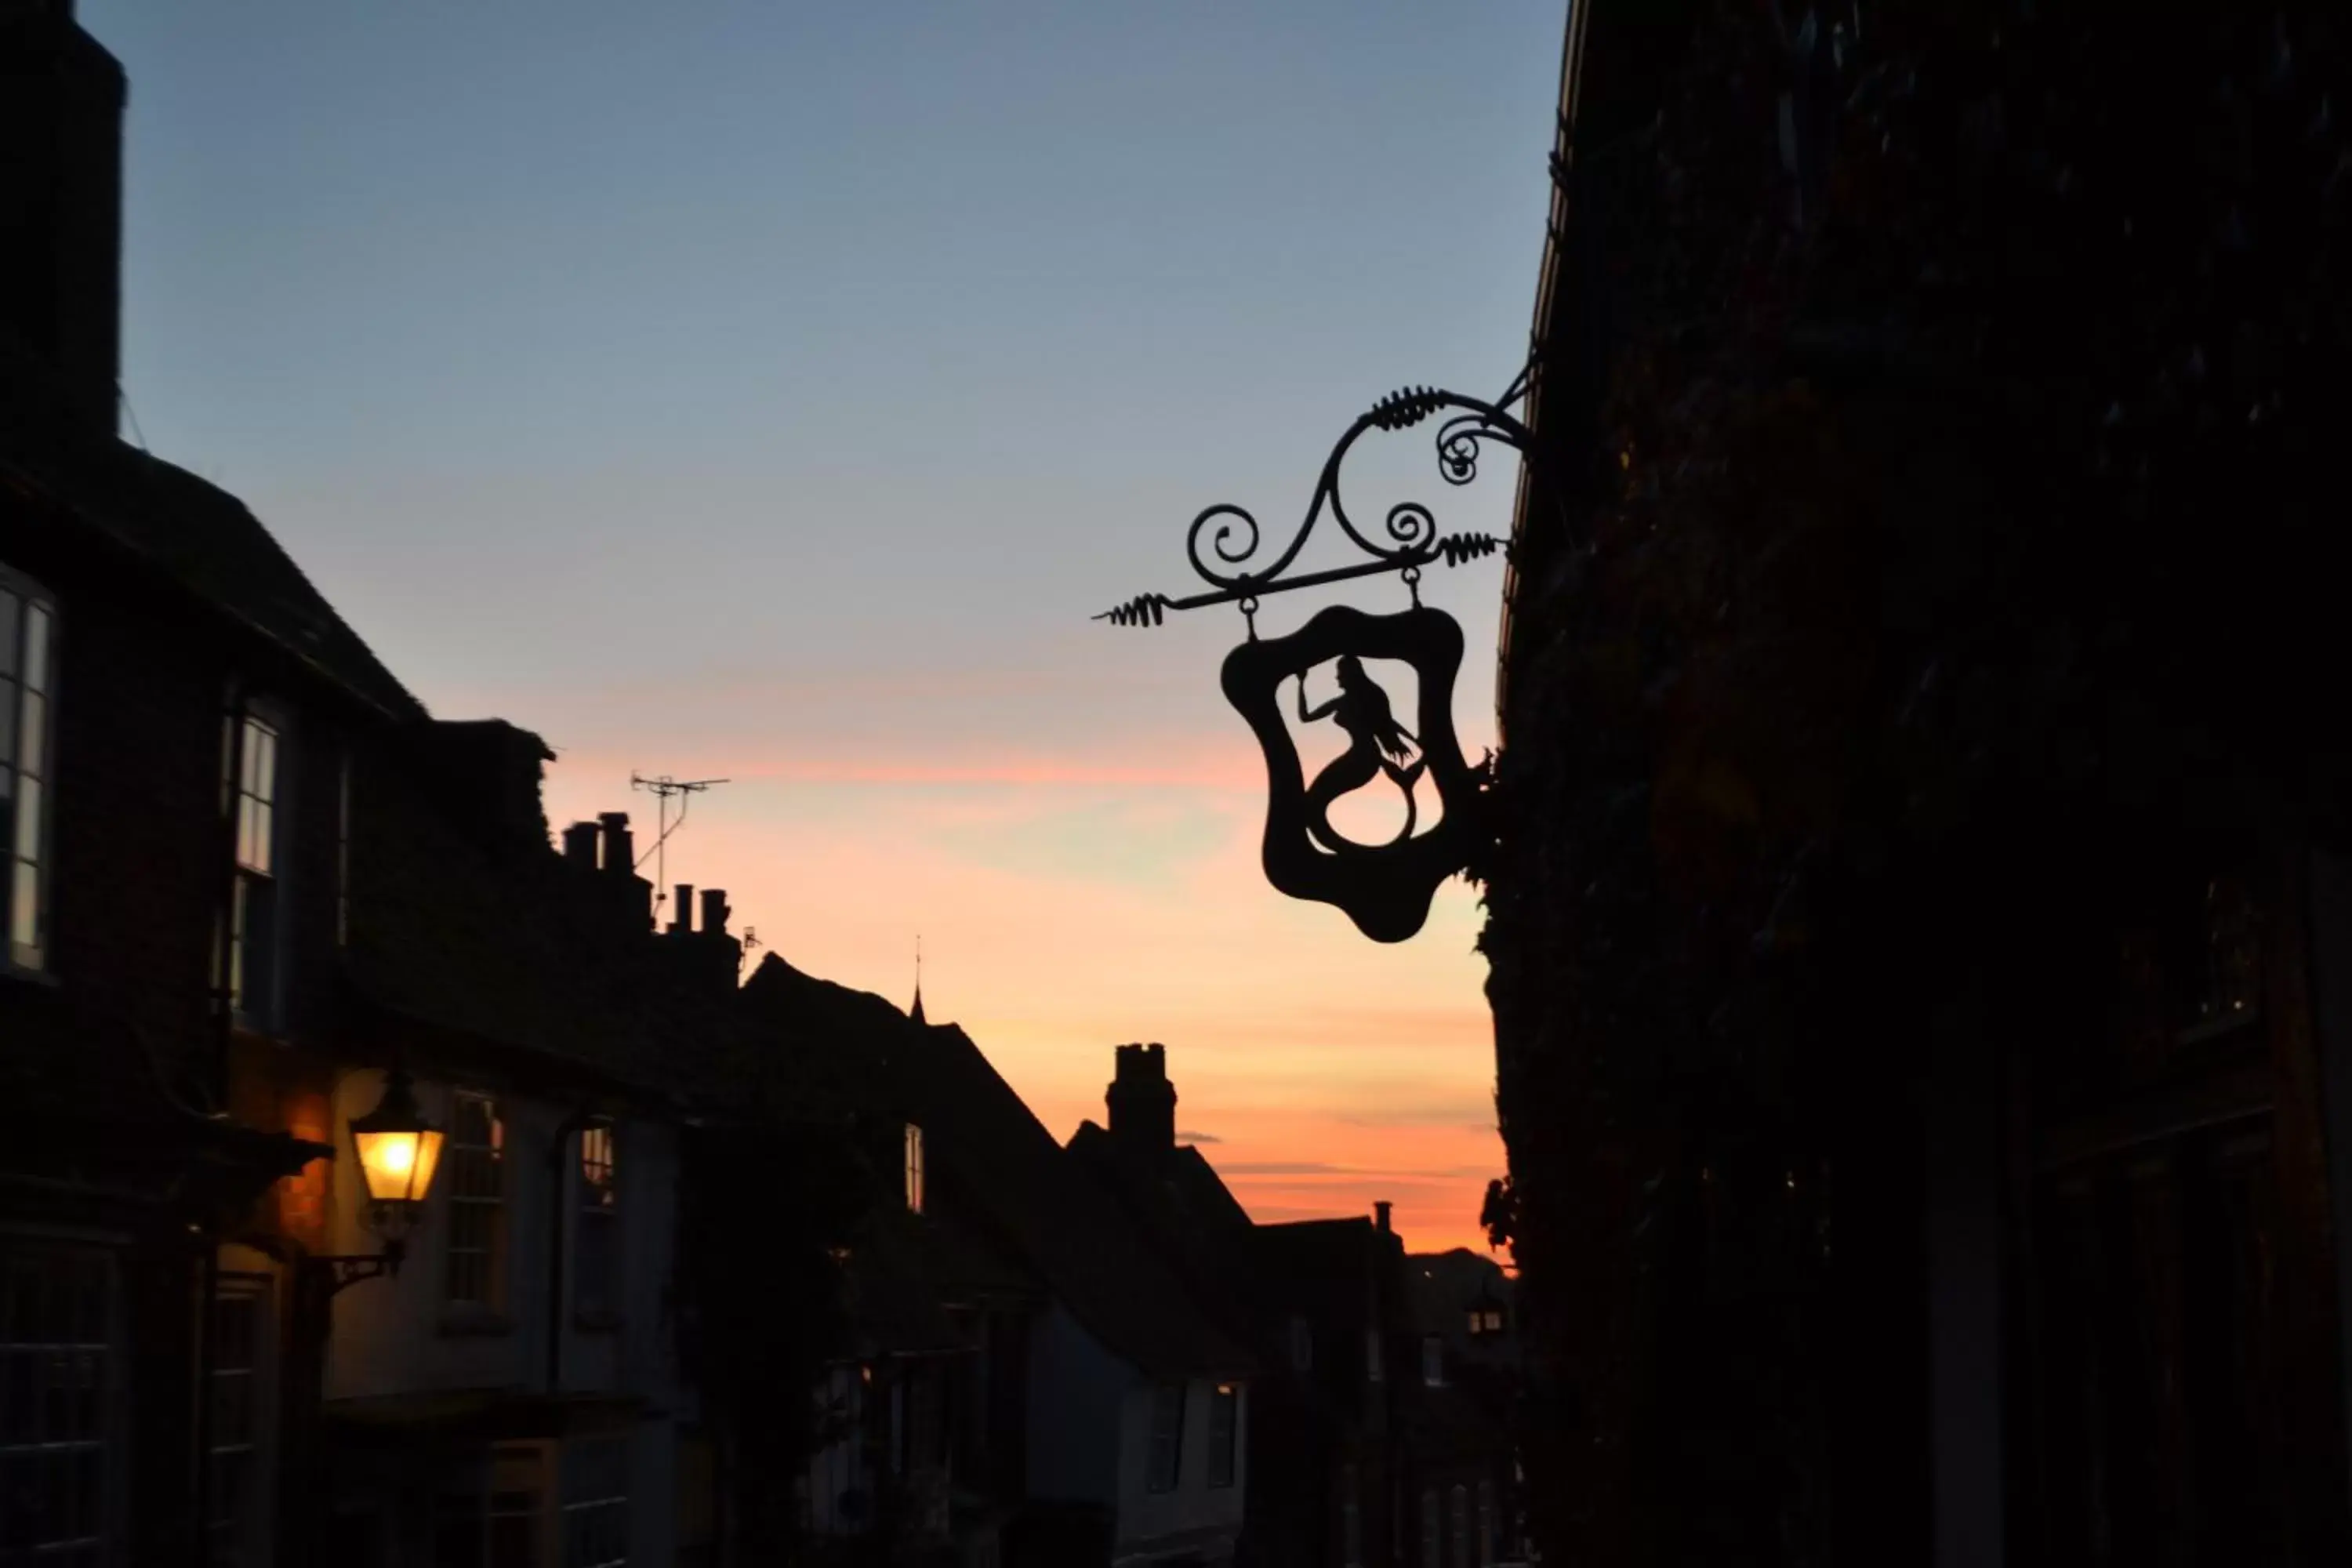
914 1169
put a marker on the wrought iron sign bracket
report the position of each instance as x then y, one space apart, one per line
1385 889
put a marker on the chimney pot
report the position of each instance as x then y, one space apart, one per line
715 911
580 844
1381 1213
682 920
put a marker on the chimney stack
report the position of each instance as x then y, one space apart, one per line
620 846
714 911
61 98
1380 1215
1142 1101
580 844
682 920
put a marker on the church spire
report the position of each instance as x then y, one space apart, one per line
915 1013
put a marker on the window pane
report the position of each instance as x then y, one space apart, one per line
11 616
36 648
260 761
32 752
28 818
25 908
7 733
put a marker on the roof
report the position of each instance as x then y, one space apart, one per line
1182 1206
192 534
1024 1191
470 931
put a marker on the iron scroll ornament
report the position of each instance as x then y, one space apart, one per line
1385 889
1413 541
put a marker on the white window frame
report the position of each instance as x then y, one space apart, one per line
260 891
1432 1360
595 1502
1164 1436
256 1445
457 1158
1224 1434
916 1169
506 1482
28 730
599 1207
31 1271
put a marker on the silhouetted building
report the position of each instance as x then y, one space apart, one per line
244 873
1098 1410
1921 909
1344 1439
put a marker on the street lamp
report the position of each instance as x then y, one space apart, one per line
398 1152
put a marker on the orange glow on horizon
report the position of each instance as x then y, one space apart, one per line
1067 905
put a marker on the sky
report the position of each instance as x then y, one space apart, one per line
772 391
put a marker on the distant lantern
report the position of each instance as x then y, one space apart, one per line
398 1151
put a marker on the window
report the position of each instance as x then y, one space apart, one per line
596 1503
1166 1459
487 1515
237 1514
60 1447
253 923
1432 1360
2231 982
597 1247
1302 1346
28 676
1461 1526
1351 1519
1486 1524
1373 1370
914 1169
478 1231
1225 1411
1432 1539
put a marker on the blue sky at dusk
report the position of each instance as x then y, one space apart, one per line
773 391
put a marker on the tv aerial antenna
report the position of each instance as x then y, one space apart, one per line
666 789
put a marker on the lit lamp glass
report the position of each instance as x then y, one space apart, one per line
398 1150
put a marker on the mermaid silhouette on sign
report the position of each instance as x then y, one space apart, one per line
1377 744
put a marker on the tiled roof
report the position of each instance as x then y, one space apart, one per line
1030 1193
193 533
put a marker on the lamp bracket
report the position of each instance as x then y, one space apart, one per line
336 1270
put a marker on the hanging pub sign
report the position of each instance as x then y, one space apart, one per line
1322 675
